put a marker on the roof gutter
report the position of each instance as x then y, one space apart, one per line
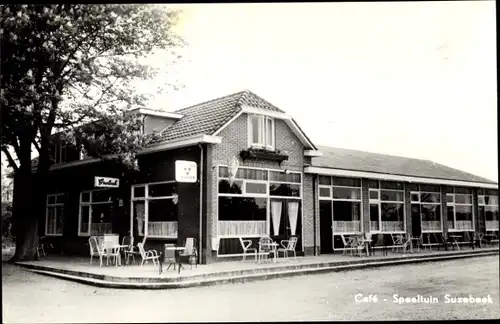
395 177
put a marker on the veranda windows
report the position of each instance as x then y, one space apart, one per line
387 207
426 205
54 216
459 209
261 132
489 208
154 209
96 207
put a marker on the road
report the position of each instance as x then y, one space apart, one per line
30 298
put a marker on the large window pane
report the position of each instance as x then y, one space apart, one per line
284 189
101 196
431 212
139 192
101 219
223 172
256 129
50 220
491 200
60 220
346 211
451 216
252 174
162 210
391 195
346 193
392 212
236 188
371 183
139 217
491 212
324 192
242 209
374 194
374 217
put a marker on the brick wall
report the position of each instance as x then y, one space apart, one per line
365 198
407 199
234 140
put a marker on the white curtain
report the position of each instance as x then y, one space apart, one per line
276 215
293 210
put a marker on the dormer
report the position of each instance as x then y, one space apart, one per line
155 120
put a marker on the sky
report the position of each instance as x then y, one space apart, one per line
414 79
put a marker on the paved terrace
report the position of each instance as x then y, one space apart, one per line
147 276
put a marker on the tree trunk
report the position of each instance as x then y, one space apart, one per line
26 211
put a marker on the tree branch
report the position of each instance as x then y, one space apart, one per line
12 163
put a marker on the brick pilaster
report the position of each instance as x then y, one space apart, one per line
407 209
365 200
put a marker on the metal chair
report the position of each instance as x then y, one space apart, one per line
148 255
397 242
128 248
266 248
245 245
96 249
379 242
288 245
426 245
190 251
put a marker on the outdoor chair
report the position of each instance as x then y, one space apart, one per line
426 242
148 255
245 245
492 239
478 239
347 244
397 242
379 241
357 245
266 248
128 248
96 249
288 246
190 251
113 253
468 239
169 256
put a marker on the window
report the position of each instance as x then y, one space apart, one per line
387 207
345 197
154 209
96 208
58 153
54 216
426 206
460 213
261 132
489 210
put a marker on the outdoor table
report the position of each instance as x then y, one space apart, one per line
416 239
491 235
366 243
455 240
110 247
274 247
177 250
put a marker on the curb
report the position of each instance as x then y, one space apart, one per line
221 278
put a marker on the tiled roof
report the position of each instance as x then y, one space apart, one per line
337 158
207 117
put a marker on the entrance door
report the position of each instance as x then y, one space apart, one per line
416 226
285 218
326 227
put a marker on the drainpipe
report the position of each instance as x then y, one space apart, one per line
315 179
200 245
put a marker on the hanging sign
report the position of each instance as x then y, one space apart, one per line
185 171
103 182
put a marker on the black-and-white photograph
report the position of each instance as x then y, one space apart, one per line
222 162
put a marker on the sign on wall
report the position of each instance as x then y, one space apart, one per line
185 171
103 182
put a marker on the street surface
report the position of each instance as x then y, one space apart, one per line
32 298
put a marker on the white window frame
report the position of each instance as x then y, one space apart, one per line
484 205
420 203
379 203
453 204
267 196
263 132
53 205
146 198
59 149
89 203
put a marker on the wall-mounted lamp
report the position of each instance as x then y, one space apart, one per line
287 171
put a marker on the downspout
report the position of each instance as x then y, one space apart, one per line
315 179
201 204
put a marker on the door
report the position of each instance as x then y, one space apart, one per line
326 227
416 226
285 218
